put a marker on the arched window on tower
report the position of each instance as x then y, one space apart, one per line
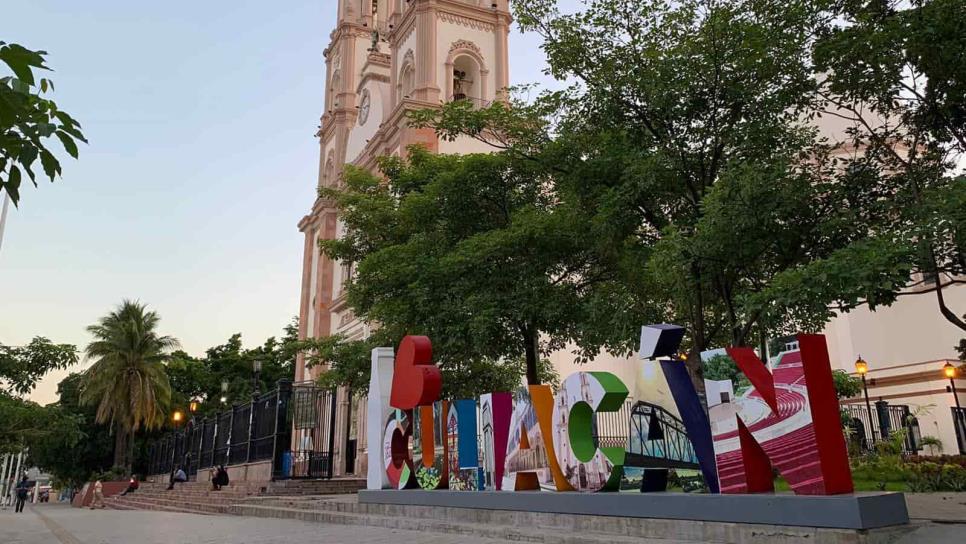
467 74
466 79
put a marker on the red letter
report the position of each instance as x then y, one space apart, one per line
416 380
789 420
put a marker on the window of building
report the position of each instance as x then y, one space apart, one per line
347 271
466 79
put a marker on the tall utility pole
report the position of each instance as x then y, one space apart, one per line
7 460
3 215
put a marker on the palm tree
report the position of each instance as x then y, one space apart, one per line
127 381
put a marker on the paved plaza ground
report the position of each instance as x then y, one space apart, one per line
61 524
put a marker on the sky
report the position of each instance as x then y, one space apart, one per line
202 159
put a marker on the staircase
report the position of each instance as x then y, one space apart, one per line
198 498
190 497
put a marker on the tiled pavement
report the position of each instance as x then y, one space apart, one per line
60 524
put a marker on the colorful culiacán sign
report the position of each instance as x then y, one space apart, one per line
786 419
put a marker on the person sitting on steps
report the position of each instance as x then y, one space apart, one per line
132 486
177 476
220 478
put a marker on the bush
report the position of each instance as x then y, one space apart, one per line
958 460
116 474
928 477
881 469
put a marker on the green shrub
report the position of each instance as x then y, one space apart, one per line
929 477
958 460
116 474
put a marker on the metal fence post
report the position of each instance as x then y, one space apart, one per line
331 465
882 411
231 431
283 430
201 441
252 424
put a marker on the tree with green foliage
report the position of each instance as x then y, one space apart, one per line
894 71
686 149
200 379
127 382
27 120
722 367
348 363
71 460
26 423
474 251
21 367
846 385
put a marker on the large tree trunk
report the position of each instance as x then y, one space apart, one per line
120 446
530 338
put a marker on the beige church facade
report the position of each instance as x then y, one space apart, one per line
387 57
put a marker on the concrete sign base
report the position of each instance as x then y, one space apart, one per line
859 511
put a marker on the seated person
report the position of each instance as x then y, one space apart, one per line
178 476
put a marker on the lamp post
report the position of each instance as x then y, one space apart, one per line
256 371
862 368
949 370
224 391
176 417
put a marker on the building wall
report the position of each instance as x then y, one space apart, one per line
906 346
910 331
423 34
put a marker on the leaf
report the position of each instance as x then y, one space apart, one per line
68 142
19 86
14 180
11 188
28 154
51 165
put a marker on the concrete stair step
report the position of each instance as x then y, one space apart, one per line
130 503
483 530
179 493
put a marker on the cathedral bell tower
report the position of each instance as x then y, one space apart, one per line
385 58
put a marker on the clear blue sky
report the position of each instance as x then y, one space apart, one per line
200 117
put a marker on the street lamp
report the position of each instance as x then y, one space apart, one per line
193 407
176 417
949 370
224 391
862 368
256 370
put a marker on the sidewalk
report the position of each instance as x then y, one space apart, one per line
59 523
943 507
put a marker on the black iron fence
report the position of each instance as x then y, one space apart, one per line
959 422
884 423
313 422
260 430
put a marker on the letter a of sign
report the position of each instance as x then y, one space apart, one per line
416 381
788 418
